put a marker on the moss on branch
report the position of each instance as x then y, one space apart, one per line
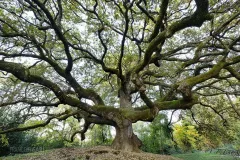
148 114
203 77
195 20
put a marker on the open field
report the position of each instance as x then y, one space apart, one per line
205 156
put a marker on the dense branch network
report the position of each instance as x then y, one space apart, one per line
92 55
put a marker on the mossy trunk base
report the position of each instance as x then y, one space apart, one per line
126 140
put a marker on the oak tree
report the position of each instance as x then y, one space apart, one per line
115 62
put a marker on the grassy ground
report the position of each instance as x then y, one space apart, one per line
205 156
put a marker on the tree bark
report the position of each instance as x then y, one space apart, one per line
125 139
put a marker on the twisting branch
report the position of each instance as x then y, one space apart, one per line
215 111
233 106
59 33
60 116
124 38
159 23
30 102
196 19
88 121
235 73
82 132
145 11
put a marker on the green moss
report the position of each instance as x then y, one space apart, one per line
105 109
205 76
134 115
147 114
177 104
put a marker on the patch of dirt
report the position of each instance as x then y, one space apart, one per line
95 153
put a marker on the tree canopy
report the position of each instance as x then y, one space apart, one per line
116 62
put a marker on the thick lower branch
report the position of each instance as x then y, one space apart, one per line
32 103
88 122
148 114
61 116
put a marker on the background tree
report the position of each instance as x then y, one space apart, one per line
187 137
17 142
216 124
99 135
115 62
156 137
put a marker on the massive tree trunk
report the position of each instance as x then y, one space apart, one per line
125 139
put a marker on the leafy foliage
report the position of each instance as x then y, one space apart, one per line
156 137
115 62
14 142
187 137
214 126
99 135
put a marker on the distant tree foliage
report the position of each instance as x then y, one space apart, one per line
14 143
156 137
187 137
99 135
215 126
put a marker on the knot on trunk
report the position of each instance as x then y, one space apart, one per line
186 90
139 83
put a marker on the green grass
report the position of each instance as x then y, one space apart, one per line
25 156
205 156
